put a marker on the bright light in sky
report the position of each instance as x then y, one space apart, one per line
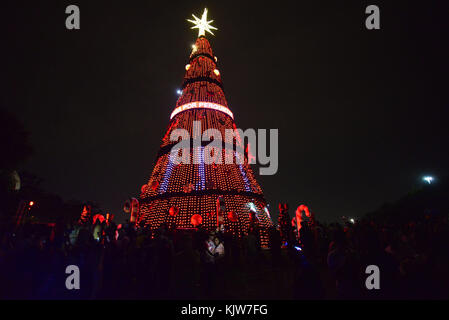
428 179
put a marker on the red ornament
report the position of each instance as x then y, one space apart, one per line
232 216
173 211
196 220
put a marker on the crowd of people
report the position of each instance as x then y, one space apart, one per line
412 257
326 262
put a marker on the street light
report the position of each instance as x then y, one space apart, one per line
428 179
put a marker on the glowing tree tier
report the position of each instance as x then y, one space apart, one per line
193 188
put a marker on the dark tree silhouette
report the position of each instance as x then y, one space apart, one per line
15 149
13 142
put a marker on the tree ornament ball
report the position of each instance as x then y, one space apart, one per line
196 219
232 216
173 211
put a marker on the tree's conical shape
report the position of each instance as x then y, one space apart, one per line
193 188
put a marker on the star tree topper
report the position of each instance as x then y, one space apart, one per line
202 24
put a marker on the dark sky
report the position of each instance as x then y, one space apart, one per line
362 115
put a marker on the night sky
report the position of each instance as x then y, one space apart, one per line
362 115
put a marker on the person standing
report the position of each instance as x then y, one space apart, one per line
218 249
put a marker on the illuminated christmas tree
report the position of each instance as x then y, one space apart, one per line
194 193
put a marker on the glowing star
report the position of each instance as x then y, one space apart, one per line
202 24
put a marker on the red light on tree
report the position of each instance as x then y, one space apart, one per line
173 211
196 220
232 216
